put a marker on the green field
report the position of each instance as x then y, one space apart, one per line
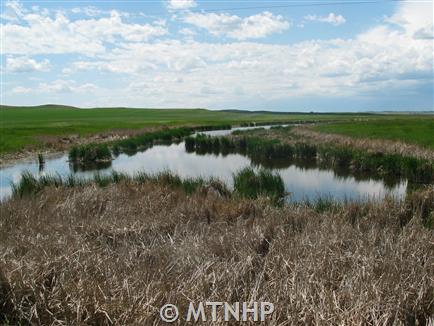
21 126
411 129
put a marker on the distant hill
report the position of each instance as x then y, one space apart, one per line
68 107
296 112
44 106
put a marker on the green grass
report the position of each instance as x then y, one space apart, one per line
263 152
23 126
251 184
414 130
31 185
90 153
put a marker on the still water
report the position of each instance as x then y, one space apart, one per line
303 182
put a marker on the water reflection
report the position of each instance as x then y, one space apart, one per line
304 179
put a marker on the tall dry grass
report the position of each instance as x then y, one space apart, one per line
114 255
370 145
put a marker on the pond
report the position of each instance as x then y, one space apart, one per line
303 180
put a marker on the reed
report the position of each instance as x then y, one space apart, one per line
115 255
340 158
30 185
251 184
141 142
322 204
90 153
41 160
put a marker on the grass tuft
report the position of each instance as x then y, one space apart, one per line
251 184
90 153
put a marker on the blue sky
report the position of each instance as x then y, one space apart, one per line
273 55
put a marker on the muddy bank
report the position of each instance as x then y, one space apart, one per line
54 146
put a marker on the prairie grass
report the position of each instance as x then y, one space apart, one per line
28 127
413 131
114 255
402 146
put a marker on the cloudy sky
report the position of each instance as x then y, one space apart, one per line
279 55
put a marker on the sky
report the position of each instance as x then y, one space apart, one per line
324 56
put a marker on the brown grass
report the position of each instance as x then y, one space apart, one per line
114 255
370 145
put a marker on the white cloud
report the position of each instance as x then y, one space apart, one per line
331 18
107 29
381 58
167 72
88 11
67 86
44 34
181 4
26 64
113 66
187 32
21 90
256 26
67 71
415 18
58 87
13 10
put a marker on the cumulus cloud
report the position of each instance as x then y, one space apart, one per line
331 18
416 19
373 60
381 58
395 55
255 26
13 10
26 64
180 4
37 33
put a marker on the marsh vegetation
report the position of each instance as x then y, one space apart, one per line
113 248
287 146
87 254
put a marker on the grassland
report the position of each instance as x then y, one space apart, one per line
29 127
414 130
35 127
113 255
